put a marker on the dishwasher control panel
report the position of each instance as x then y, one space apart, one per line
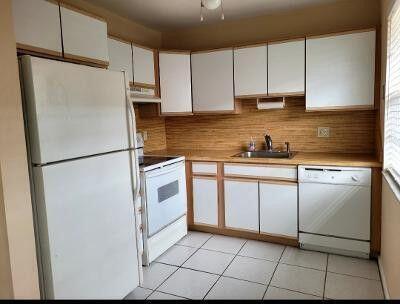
335 175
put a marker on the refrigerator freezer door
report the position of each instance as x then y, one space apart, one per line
73 110
86 224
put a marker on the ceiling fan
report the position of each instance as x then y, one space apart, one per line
211 5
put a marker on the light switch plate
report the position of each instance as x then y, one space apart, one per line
324 132
144 135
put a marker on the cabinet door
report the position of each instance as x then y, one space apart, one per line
143 66
278 208
251 71
175 83
37 26
241 204
120 54
286 68
205 201
84 37
340 71
212 80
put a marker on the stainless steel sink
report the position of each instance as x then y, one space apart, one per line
265 154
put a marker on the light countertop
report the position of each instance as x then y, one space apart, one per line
300 158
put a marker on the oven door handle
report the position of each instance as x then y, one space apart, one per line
164 170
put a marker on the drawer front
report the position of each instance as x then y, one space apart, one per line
261 172
204 168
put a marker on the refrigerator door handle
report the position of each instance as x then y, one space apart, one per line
132 138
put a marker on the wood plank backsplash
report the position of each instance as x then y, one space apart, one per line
350 132
155 127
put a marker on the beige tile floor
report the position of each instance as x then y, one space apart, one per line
206 266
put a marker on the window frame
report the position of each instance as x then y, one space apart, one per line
391 177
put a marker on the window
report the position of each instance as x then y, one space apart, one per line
392 114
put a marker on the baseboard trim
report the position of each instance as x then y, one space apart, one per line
383 279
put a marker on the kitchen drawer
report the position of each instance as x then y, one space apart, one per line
261 171
204 168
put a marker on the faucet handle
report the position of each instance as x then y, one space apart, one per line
287 146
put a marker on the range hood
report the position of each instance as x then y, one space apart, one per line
144 95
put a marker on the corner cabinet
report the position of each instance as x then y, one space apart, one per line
37 26
340 71
250 64
120 54
143 67
286 68
212 80
175 83
84 36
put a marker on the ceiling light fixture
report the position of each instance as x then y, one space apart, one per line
211 5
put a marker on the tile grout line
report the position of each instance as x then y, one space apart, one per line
326 274
178 267
167 293
225 269
272 276
300 266
296 291
354 276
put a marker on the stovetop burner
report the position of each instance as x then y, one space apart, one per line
154 160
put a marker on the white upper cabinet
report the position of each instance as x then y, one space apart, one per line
175 83
120 54
84 37
143 66
286 68
250 65
212 80
340 71
37 26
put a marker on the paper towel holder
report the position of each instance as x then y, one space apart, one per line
272 103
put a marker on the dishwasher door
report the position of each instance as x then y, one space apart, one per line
335 201
335 210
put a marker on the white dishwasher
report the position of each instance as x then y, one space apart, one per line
335 209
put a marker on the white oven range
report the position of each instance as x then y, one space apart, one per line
164 204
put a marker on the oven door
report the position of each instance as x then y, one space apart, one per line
165 196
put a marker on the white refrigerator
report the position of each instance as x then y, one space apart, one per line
84 174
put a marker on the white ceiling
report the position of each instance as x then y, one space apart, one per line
174 14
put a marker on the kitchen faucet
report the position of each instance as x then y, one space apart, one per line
268 142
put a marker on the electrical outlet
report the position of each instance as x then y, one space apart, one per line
145 135
324 132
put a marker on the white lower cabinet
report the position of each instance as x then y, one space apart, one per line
278 208
205 200
241 204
